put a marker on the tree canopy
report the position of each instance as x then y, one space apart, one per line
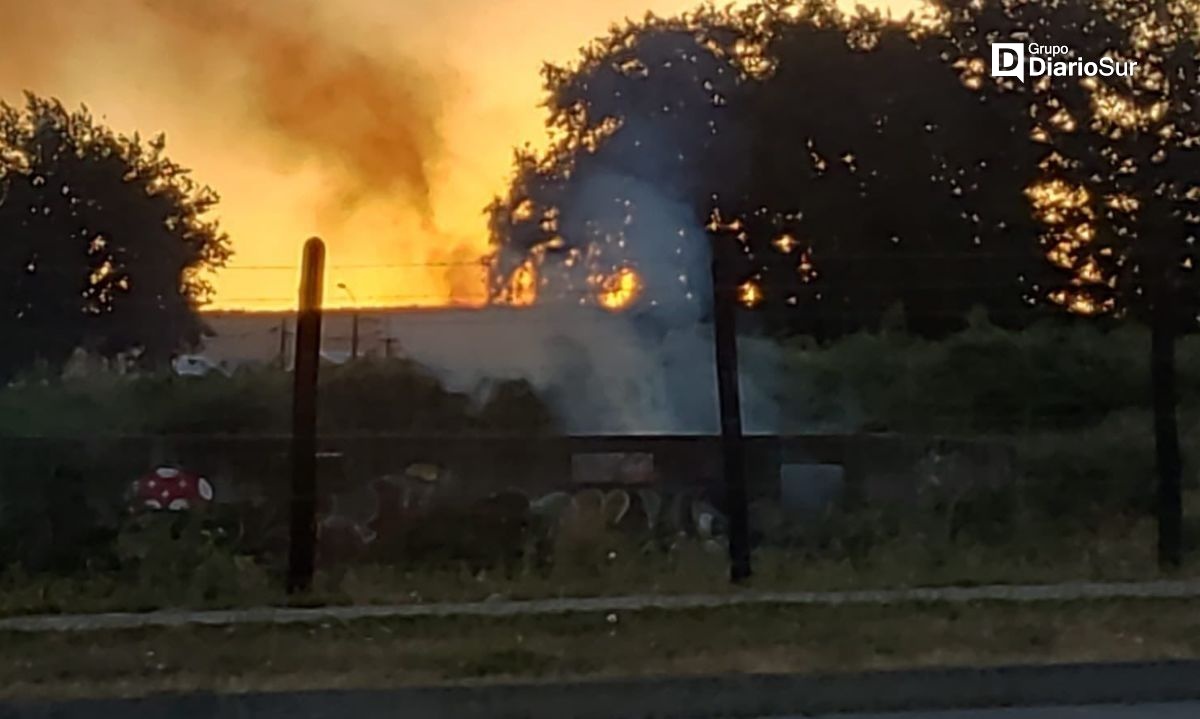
104 241
642 143
841 152
880 179
1119 199
864 163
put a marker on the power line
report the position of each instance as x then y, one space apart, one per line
898 251
372 266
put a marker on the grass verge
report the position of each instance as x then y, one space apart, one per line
1124 553
376 654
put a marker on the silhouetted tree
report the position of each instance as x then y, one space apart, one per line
644 139
844 155
103 241
1120 204
879 179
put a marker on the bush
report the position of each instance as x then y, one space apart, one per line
1108 469
1051 376
402 396
182 559
370 395
53 517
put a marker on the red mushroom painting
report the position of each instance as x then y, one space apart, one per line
171 489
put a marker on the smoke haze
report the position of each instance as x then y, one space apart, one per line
305 124
385 126
650 369
373 114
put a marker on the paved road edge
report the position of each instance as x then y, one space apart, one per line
1020 594
671 698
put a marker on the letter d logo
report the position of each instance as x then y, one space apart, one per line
1008 60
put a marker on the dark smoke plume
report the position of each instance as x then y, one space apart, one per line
369 112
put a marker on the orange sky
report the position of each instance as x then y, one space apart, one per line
399 197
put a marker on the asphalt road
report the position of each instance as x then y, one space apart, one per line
1186 710
1153 690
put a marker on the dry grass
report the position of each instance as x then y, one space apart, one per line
614 568
372 654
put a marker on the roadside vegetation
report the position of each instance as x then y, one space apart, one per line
661 119
380 654
1068 398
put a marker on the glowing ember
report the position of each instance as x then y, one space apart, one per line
523 211
785 243
619 290
750 293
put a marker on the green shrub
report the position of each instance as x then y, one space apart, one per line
182 560
54 516
370 395
1107 469
984 380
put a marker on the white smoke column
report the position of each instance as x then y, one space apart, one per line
588 363
646 370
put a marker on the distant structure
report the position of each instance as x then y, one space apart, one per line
268 337
244 337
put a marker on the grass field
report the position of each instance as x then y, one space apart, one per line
1121 553
372 653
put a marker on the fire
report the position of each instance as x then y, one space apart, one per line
785 243
620 289
750 293
373 146
522 287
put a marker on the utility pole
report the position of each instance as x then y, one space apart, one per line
283 338
1165 323
302 545
353 321
732 449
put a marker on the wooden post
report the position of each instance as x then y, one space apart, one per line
732 451
302 547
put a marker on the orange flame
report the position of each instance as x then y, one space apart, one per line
522 286
620 289
750 293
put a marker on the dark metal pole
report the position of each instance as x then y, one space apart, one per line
354 336
1165 327
302 547
283 338
732 451
1164 330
